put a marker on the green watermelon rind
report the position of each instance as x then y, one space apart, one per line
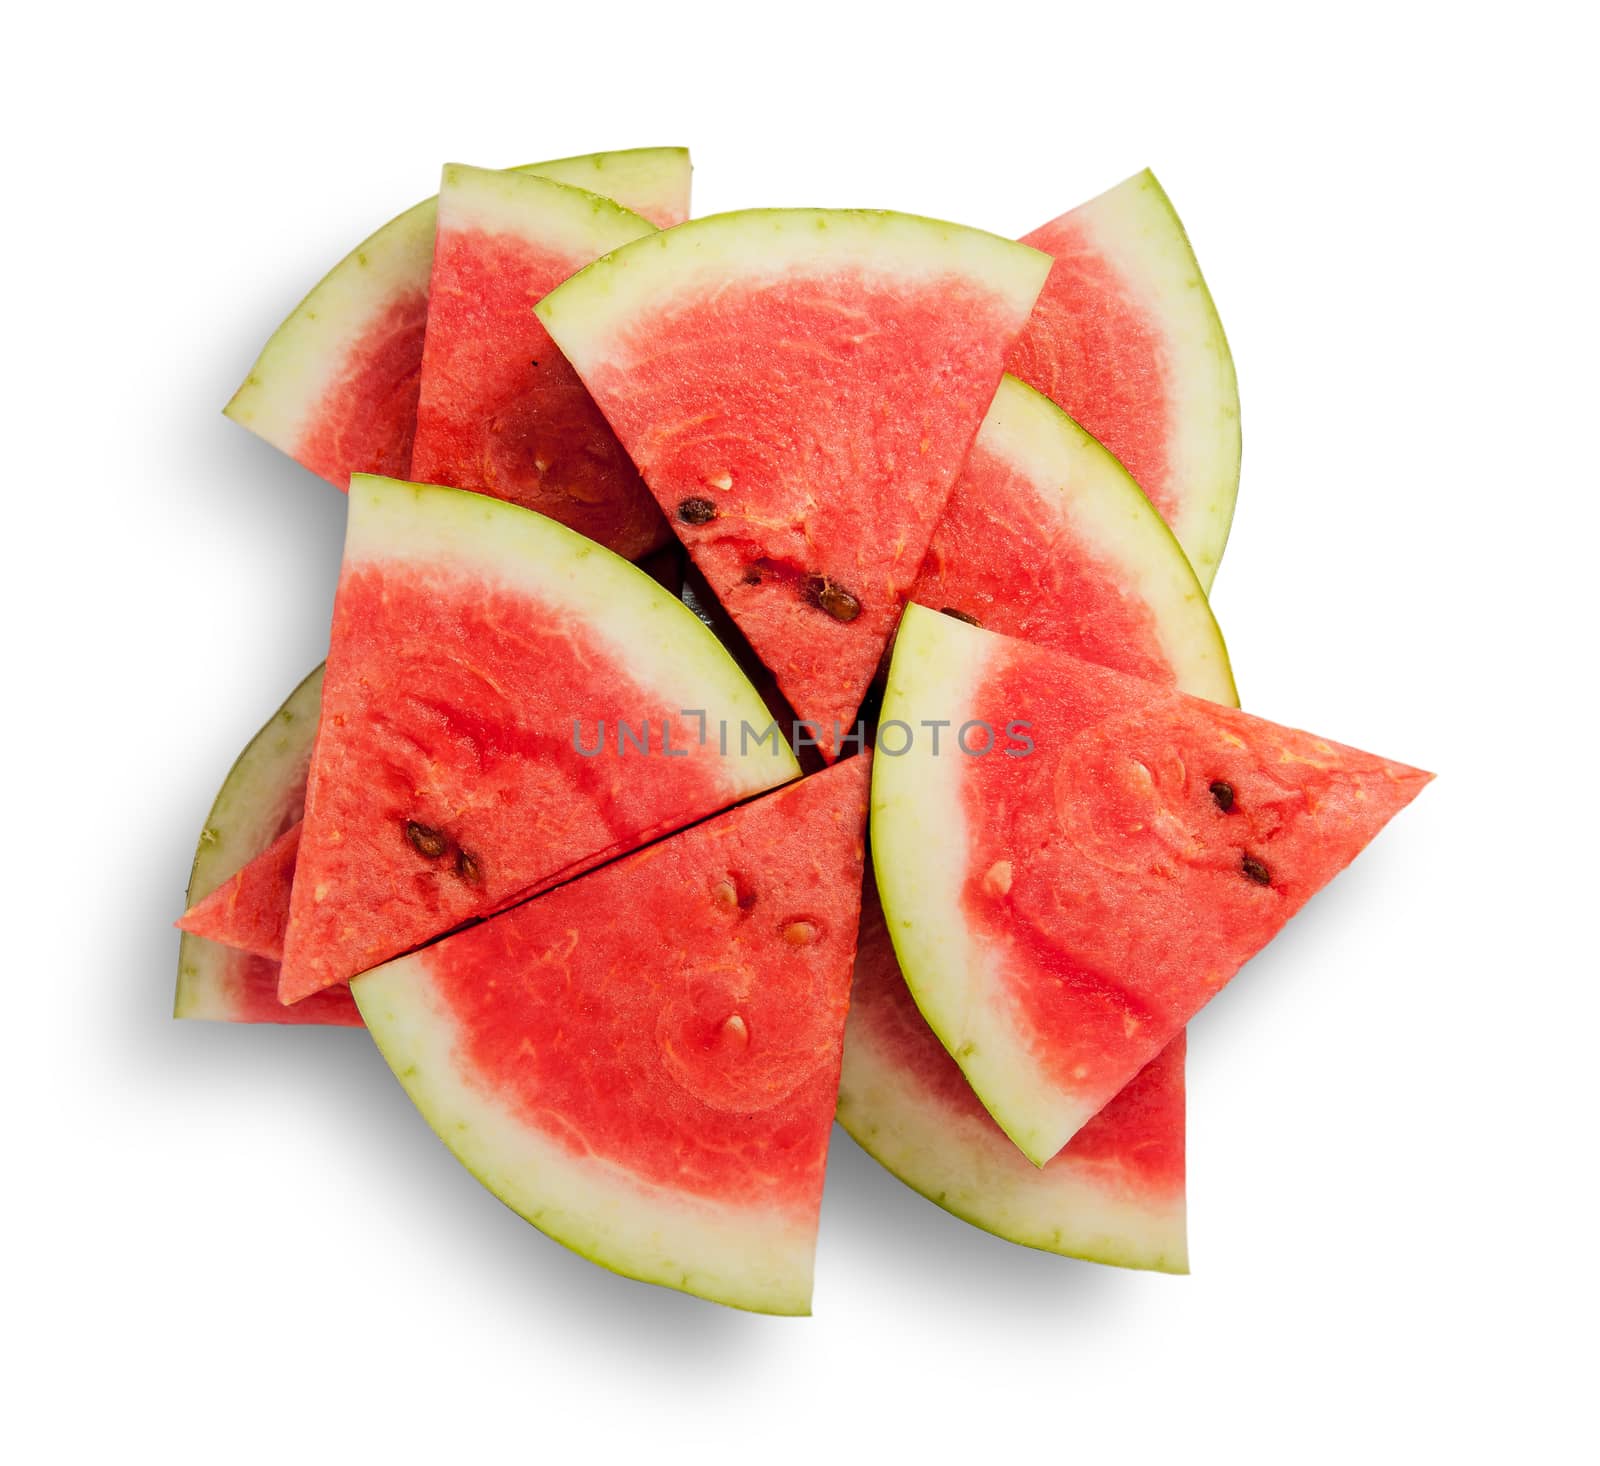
1138 228
601 306
559 215
751 1260
1066 1210
302 358
249 812
918 825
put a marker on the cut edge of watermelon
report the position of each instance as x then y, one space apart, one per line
587 313
242 823
1111 513
303 357
917 817
1138 227
950 1159
759 1263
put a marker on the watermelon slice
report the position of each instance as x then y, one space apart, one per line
1045 537
260 803
1063 905
800 388
1125 338
250 911
336 386
655 1092
500 409
1115 1194
483 663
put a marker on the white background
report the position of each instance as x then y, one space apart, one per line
235 1244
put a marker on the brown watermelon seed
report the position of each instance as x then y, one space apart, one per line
752 576
425 841
834 599
697 511
956 615
467 867
1256 870
1222 792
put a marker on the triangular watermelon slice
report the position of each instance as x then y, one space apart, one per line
250 910
505 703
260 803
500 410
336 385
1045 537
1063 904
654 1091
1125 338
1114 1194
799 389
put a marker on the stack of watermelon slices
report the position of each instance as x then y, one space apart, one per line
536 827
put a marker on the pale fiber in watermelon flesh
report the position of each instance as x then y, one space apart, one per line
1114 1194
261 799
654 1092
1045 537
476 649
1125 338
799 389
500 410
1060 916
336 386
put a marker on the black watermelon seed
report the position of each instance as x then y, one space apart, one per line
425 841
1256 870
1222 792
834 599
956 615
697 511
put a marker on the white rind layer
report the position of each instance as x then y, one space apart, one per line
306 355
650 633
590 315
249 813
558 217
652 182
919 849
1135 226
742 1257
960 1162
1101 507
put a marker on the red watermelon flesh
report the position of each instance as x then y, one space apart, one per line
251 910
476 650
1046 538
1125 338
500 409
799 389
655 1092
1062 912
1114 1194
336 385
251 825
